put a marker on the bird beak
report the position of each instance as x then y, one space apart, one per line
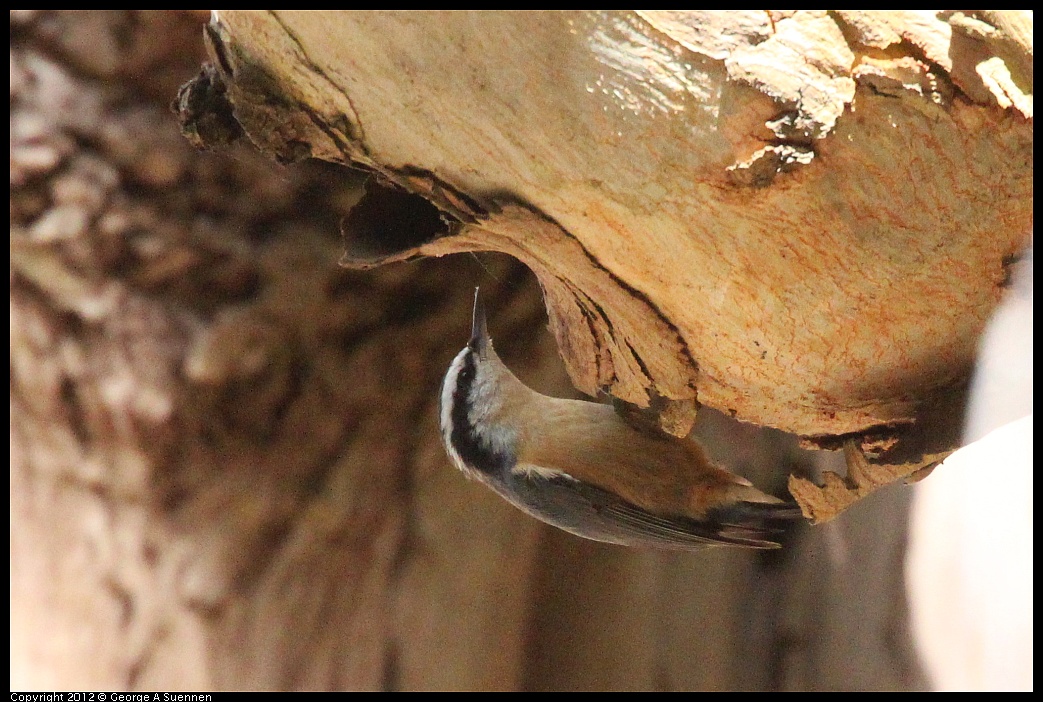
479 332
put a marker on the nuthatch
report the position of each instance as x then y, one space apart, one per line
580 467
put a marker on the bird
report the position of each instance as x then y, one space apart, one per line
578 466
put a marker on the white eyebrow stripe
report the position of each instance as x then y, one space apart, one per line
446 406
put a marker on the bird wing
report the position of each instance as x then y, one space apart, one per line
652 471
591 512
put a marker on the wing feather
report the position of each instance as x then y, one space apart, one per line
591 512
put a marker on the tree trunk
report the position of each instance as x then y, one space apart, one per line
225 464
803 219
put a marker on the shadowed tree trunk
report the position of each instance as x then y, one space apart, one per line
225 464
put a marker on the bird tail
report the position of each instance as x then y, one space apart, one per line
745 513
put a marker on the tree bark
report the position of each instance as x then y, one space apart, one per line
225 465
803 219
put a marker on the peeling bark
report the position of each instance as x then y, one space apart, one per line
800 218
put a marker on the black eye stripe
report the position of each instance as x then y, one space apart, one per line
473 452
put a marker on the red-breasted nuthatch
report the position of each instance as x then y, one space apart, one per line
580 467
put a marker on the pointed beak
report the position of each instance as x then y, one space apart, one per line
479 332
